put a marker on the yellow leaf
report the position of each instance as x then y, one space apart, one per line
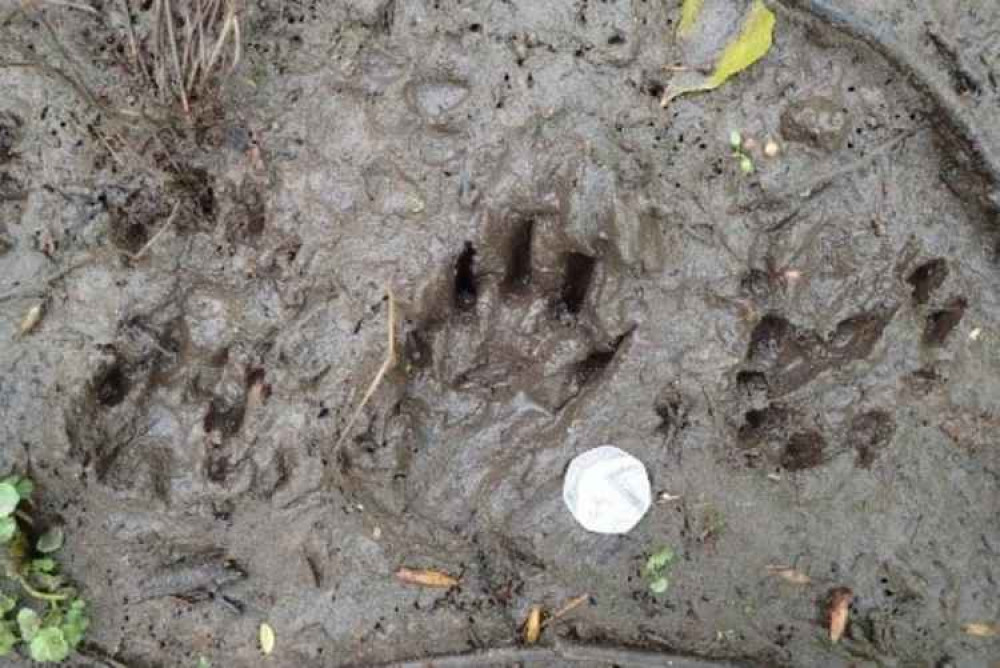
689 12
750 45
533 627
753 44
426 578
266 638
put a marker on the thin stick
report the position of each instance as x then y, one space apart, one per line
159 233
132 42
573 604
176 57
390 361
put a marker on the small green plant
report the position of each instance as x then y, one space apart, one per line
39 610
657 568
736 143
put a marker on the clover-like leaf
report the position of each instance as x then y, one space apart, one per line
8 637
659 585
75 622
43 565
658 561
8 527
28 622
51 540
9 498
7 603
49 645
24 488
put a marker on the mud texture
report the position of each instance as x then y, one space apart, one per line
807 359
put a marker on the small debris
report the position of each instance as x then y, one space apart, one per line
975 334
667 497
840 600
981 629
266 638
789 574
31 319
426 578
771 148
533 626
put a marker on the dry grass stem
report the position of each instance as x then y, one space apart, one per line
390 361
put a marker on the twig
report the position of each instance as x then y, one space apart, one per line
390 361
133 43
573 604
155 237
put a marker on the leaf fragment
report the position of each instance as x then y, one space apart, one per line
31 319
9 498
533 625
426 578
49 646
789 574
981 629
28 622
689 14
51 540
750 45
266 637
840 600
8 527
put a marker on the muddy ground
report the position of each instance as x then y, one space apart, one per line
807 357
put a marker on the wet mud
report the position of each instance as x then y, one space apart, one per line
807 358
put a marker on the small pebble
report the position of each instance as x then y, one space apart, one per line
771 148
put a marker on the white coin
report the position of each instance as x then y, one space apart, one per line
607 490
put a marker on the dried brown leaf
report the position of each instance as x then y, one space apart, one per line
789 574
533 626
426 578
840 600
981 629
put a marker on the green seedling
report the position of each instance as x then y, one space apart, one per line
39 613
657 568
736 143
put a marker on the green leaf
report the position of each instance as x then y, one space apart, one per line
75 623
750 45
49 645
8 637
204 663
746 164
48 581
24 488
658 561
28 622
689 14
8 527
7 603
43 565
659 585
9 498
51 540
